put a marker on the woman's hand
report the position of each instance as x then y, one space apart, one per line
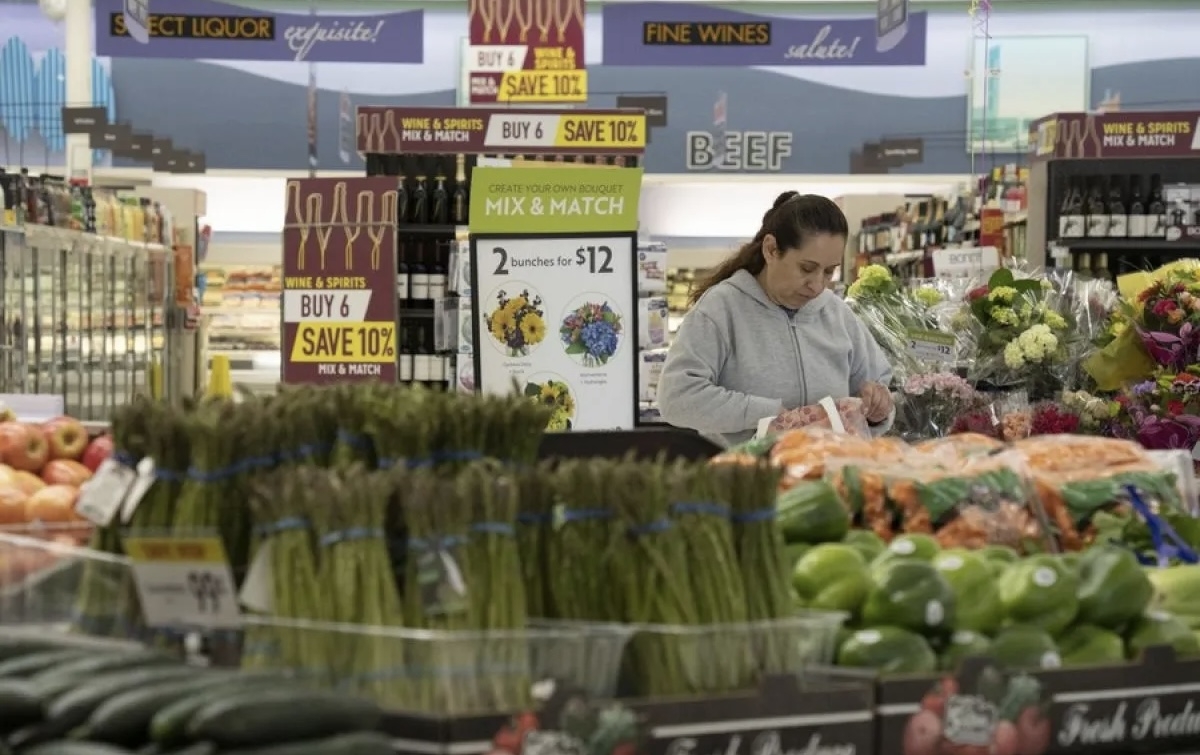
877 402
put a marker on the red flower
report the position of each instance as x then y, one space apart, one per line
977 293
1051 420
1122 399
1175 407
1185 377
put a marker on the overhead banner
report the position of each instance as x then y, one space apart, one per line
526 51
203 29
683 34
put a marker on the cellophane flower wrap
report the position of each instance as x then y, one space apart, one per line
1154 327
930 402
893 312
1024 331
1162 412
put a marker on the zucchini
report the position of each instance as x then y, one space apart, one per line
93 664
358 743
34 734
125 718
169 726
67 747
258 718
73 708
19 706
15 647
53 689
35 663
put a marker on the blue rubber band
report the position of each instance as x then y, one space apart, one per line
651 528
283 525
167 475
350 535
448 456
420 463
703 508
761 515
354 440
533 517
125 458
494 528
584 515
386 463
437 543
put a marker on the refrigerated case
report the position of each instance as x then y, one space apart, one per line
85 317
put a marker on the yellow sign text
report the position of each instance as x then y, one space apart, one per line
750 34
177 26
606 131
543 86
208 550
345 342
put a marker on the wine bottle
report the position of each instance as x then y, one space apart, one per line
420 202
1100 266
1157 221
619 161
401 199
418 276
1070 214
1097 213
1137 209
458 202
441 201
447 368
437 275
406 353
1118 214
422 357
402 290
1083 265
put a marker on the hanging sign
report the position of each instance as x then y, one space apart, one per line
184 582
555 290
526 51
137 20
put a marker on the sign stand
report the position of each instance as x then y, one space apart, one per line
555 291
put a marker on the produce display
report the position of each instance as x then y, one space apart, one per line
42 467
1033 554
60 698
406 545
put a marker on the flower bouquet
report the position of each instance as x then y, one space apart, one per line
1162 413
556 395
899 318
517 323
591 333
930 402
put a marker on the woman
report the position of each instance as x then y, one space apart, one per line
766 335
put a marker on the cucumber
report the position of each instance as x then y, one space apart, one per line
34 734
169 726
93 664
358 743
260 718
200 748
67 747
125 718
19 706
35 663
73 708
15 647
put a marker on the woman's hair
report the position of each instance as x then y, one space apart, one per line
792 220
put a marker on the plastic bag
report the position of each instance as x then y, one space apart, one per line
1071 453
843 415
961 446
862 487
804 453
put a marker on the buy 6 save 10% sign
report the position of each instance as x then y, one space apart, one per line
597 260
332 329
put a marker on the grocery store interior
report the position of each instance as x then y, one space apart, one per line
513 377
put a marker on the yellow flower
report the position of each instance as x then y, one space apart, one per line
533 328
501 325
1175 316
1002 294
1118 327
871 276
568 403
928 295
516 304
549 393
1054 320
1004 315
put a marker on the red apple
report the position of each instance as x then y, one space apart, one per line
65 472
97 451
12 506
53 504
23 447
27 482
67 437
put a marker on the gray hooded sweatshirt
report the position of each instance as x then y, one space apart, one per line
739 357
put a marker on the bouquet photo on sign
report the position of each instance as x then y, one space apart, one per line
554 393
517 323
591 333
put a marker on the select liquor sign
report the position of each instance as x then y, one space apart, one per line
339 280
526 51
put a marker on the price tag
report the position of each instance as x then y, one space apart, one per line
184 582
101 497
931 345
142 483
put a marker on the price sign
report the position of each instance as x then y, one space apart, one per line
101 497
931 345
184 582
597 259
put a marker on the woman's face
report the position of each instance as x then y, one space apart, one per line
794 277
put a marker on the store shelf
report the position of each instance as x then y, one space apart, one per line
1129 245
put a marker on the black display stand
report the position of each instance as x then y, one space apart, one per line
644 443
1072 150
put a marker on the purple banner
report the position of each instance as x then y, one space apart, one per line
202 29
681 34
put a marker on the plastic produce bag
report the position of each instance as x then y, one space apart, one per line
804 453
844 415
952 448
